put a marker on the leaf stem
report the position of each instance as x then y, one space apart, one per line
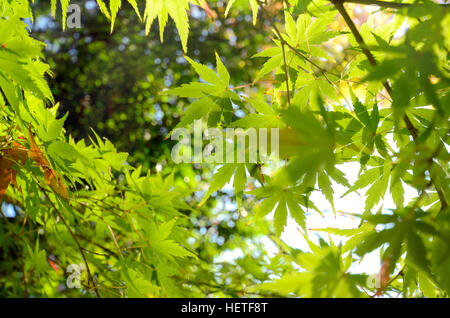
286 74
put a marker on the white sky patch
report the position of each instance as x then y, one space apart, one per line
351 203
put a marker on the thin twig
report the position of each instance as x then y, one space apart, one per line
91 278
115 240
303 56
286 74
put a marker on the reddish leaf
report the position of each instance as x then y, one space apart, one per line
53 179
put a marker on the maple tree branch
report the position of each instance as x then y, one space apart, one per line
383 288
339 4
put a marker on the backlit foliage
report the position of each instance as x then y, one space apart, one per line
342 87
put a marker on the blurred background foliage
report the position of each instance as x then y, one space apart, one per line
114 82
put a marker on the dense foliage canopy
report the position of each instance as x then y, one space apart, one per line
363 83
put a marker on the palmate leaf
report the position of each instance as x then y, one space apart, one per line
368 177
158 241
64 4
370 123
9 91
52 178
305 33
171 249
223 176
253 4
114 6
361 112
222 70
426 286
20 63
404 234
262 107
417 253
197 110
103 8
378 178
176 9
240 181
193 90
219 180
207 74
266 117
37 259
133 3
215 97
258 121
324 275
217 84
338 176
178 12
310 145
283 200
280 217
310 88
307 142
378 188
53 7
326 187
138 284
355 236
23 76
296 212
270 65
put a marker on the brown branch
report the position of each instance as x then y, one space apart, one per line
383 288
110 252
